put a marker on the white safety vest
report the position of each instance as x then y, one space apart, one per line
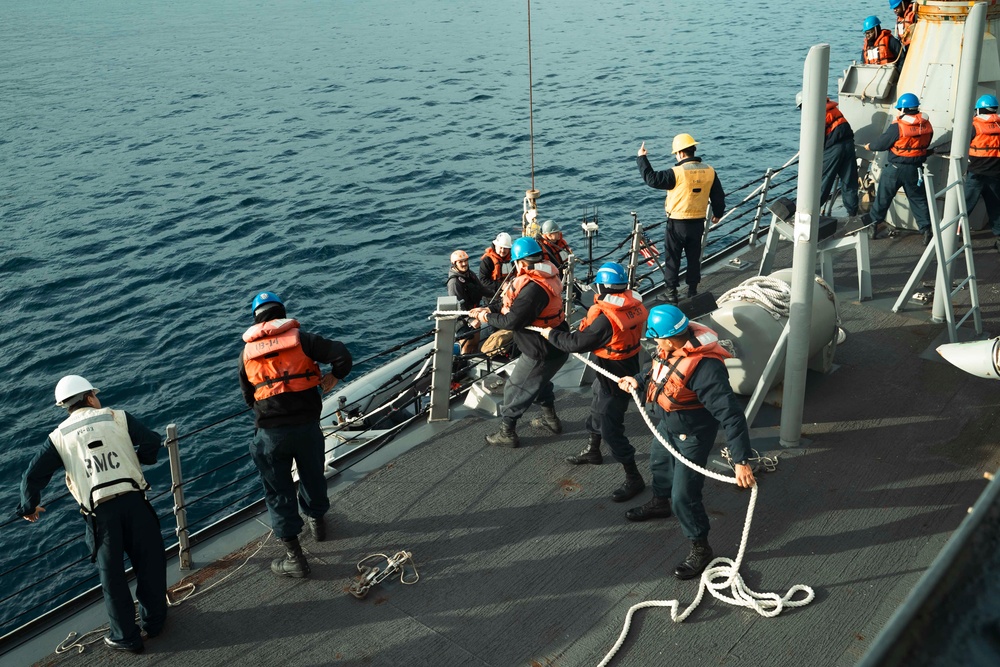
98 455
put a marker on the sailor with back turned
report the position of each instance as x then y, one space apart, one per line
281 380
611 330
691 185
101 451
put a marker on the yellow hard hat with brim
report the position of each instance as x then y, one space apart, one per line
681 142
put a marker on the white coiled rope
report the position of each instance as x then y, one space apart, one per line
722 574
772 294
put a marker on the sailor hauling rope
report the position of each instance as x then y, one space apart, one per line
96 446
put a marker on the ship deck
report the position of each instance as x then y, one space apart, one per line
524 559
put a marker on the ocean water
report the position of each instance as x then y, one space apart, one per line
161 162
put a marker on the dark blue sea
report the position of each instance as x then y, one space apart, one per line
160 162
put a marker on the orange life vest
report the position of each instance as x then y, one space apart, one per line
274 360
834 118
879 53
545 275
627 316
557 251
501 265
986 141
915 134
904 24
669 376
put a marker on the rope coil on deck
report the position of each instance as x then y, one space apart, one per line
772 294
722 573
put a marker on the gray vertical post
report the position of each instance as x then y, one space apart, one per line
444 357
177 486
633 255
765 187
814 82
965 98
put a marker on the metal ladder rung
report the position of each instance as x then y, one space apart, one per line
965 317
954 256
958 288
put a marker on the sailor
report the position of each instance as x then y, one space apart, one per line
839 158
880 47
611 330
101 450
983 178
690 186
906 139
532 298
463 284
906 16
689 385
553 245
279 376
494 265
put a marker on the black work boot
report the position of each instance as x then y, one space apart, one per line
317 526
590 454
692 291
656 508
506 437
549 421
632 486
670 296
294 563
696 561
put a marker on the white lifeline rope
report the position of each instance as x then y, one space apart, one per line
722 573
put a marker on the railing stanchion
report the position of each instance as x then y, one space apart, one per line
633 253
444 356
568 284
177 486
755 232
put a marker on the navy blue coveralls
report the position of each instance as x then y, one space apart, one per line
692 433
124 524
899 172
607 409
287 430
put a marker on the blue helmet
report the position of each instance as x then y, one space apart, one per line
611 273
264 298
524 247
987 102
895 3
907 101
665 321
872 22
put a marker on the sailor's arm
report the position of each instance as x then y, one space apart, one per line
45 464
145 440
661 180
326 351
886 140
717 197
594 337
525 309
710 382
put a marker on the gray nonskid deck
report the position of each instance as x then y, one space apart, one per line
524 560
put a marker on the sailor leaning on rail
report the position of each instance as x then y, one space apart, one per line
101 451
532 298
611 330
689 386
690 186
281 380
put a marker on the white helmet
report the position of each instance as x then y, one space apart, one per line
71 387
503 240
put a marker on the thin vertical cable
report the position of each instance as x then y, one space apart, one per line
531 117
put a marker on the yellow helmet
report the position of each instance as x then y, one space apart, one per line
682 141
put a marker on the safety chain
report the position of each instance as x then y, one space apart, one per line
757 461
374 575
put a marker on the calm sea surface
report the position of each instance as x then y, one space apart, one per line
161 162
